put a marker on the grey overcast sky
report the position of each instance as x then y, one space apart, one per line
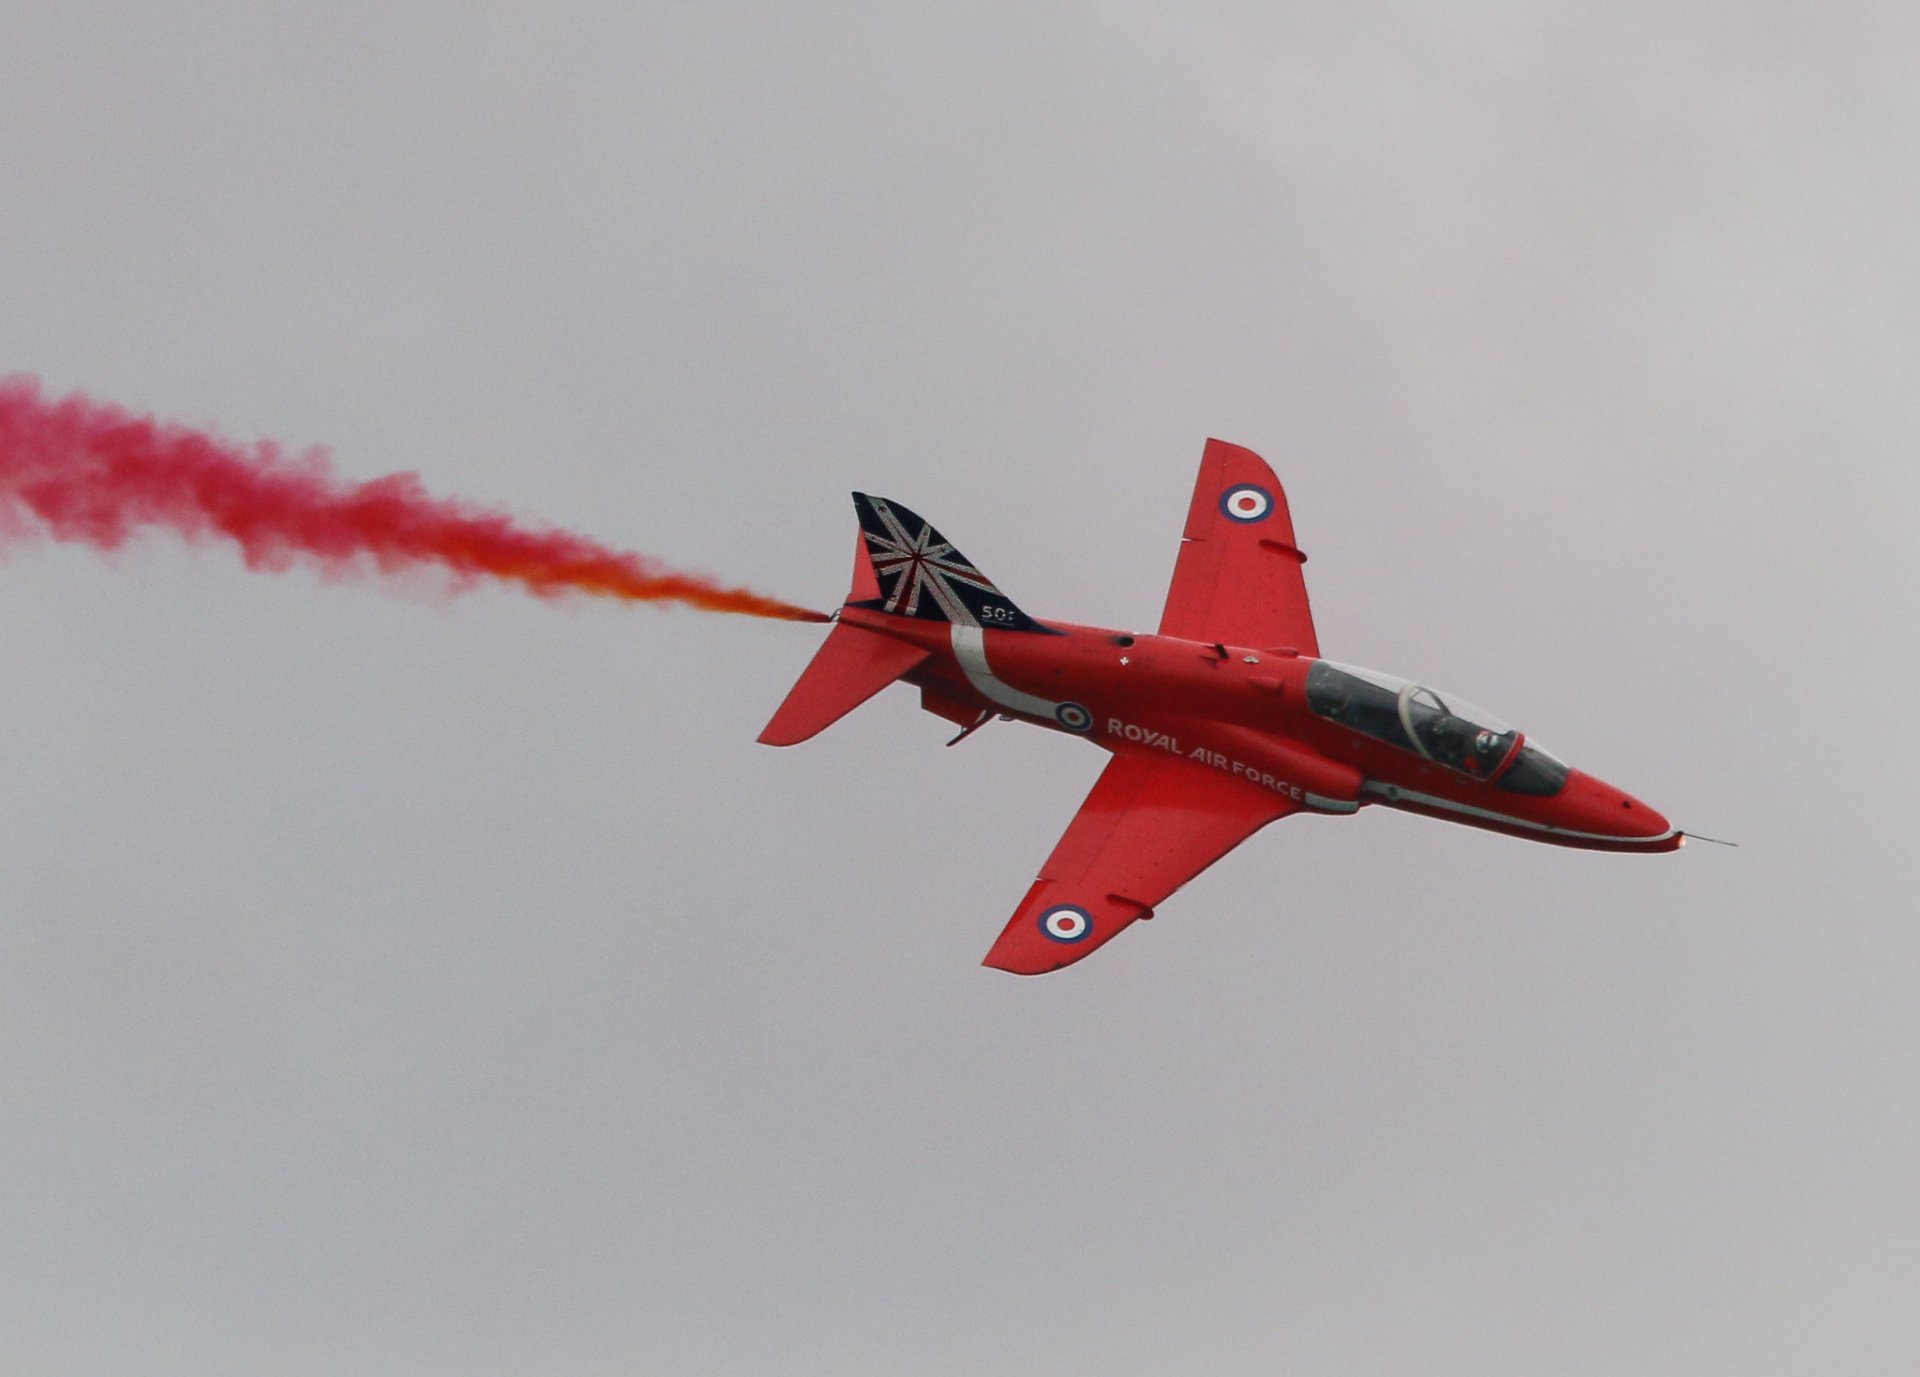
395 985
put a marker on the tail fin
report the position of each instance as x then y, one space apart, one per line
920 574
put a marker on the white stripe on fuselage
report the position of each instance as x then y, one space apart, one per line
970 649
1394 793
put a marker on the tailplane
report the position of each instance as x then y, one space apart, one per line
850 667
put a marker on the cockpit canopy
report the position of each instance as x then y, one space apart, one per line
1439 727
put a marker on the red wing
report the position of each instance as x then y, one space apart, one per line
1238 579
1151 824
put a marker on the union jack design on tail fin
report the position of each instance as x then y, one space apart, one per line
922 575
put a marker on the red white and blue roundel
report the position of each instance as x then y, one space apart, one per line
1073 717
1246 502
1067 923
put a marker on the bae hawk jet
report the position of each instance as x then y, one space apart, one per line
1223 721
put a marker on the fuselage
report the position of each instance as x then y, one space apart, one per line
1328 737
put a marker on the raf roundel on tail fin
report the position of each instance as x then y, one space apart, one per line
922 575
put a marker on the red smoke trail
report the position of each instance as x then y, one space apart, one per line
84 471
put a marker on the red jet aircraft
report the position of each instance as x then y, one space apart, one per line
1224 721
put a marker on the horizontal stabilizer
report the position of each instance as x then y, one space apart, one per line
850 667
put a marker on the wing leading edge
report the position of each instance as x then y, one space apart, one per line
1238 578
1150 824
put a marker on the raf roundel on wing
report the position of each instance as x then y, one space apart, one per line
1248 502
1067 923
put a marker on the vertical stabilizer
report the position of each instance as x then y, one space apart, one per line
921 575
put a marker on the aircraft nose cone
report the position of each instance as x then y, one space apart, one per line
1602 809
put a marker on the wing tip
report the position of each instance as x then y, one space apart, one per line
1053 928
994 962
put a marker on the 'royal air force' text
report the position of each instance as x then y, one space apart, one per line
1164 741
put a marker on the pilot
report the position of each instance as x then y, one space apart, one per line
1447 739
1489 749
